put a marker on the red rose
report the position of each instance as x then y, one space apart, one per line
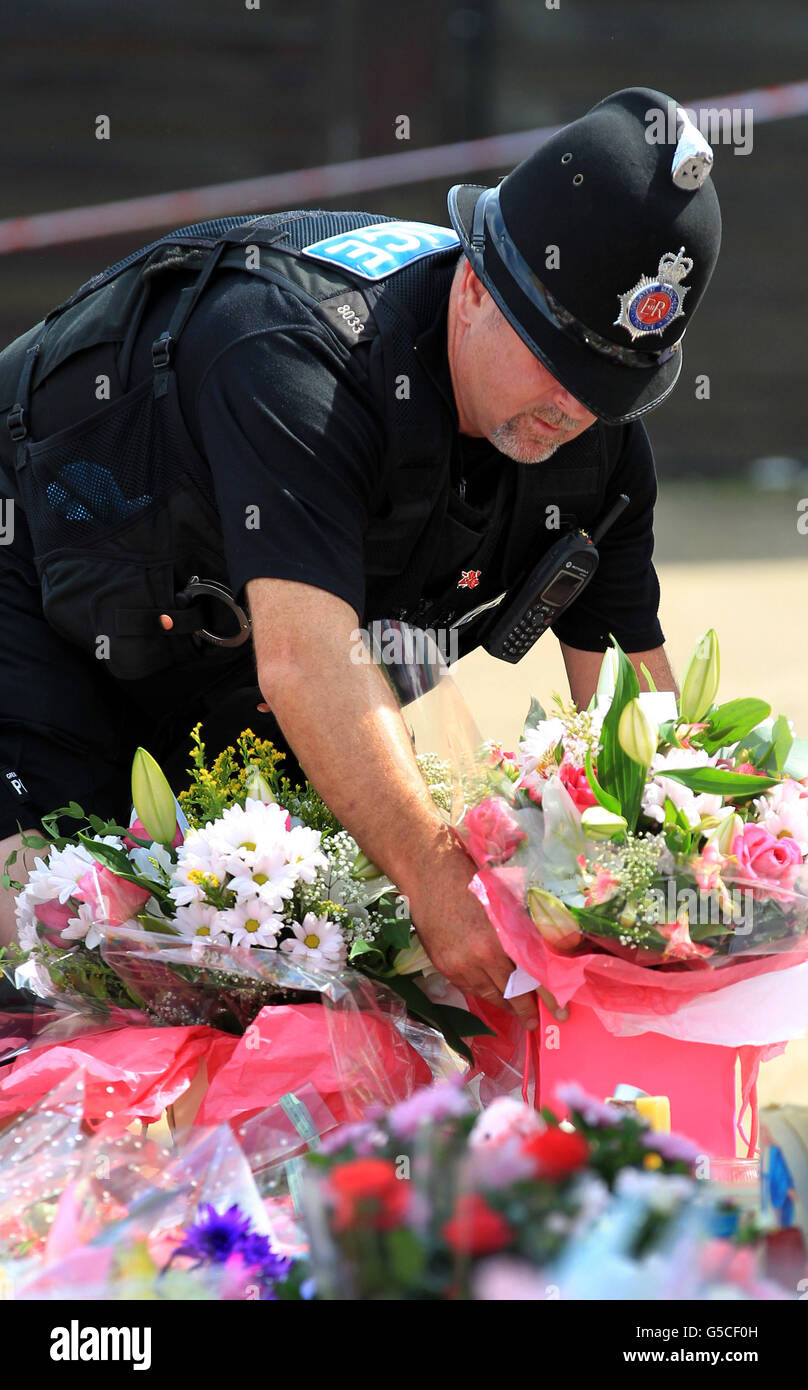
368 1192
475 1228
557 1152
577 784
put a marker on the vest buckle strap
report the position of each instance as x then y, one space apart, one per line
161 351
15 421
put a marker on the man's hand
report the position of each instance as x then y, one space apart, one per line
341 718
460 941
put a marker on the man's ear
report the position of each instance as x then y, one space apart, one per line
471 292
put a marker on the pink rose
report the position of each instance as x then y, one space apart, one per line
764 856
492 834
54 917
138 828
113 900
577 784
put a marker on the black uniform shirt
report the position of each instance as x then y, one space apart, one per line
285 416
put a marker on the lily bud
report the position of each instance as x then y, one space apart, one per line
725 832
700 684
636 734
608 675
602 824
554 921
258 788
413 960
364 868
153 798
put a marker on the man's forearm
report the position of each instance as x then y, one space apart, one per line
342 720
583 669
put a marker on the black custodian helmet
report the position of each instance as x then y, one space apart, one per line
598 248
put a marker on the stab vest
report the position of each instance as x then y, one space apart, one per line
119 504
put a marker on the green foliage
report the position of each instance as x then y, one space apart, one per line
720 780
225 782
618 774
731 722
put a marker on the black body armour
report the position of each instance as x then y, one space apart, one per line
119 505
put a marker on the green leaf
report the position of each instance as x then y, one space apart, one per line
796 764
731 722
366 950
618 774
783 739
648 677
667 733
116 859
719 780
407 1254
156 924
454 1024
535 714
607 801
394 934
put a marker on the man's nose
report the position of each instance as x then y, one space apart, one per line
570 406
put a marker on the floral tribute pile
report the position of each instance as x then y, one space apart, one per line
426 1200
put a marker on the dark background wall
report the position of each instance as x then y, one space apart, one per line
205 91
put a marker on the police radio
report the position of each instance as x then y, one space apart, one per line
547 590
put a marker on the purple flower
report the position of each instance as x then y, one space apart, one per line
593 1111
430 1105
673 1147
363 1136
219 1237
215 1235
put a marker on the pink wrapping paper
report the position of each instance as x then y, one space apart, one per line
129 1073
290 1044
603 992
135 1073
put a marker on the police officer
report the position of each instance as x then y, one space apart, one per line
287 427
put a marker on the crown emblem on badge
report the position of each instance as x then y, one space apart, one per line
652 304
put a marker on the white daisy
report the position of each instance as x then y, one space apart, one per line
200 920
271 878
318 941
251 923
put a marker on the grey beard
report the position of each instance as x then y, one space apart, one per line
507 439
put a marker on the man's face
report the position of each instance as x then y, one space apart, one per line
501 390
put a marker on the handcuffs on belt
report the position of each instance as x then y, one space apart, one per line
210 588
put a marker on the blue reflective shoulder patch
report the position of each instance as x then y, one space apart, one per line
383 248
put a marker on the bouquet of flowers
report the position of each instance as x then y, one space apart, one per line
244 893
648 856
431 1201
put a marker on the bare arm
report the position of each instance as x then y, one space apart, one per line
344 725
19 871
583 669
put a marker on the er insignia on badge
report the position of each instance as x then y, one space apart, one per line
469 579
382 248
651 305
